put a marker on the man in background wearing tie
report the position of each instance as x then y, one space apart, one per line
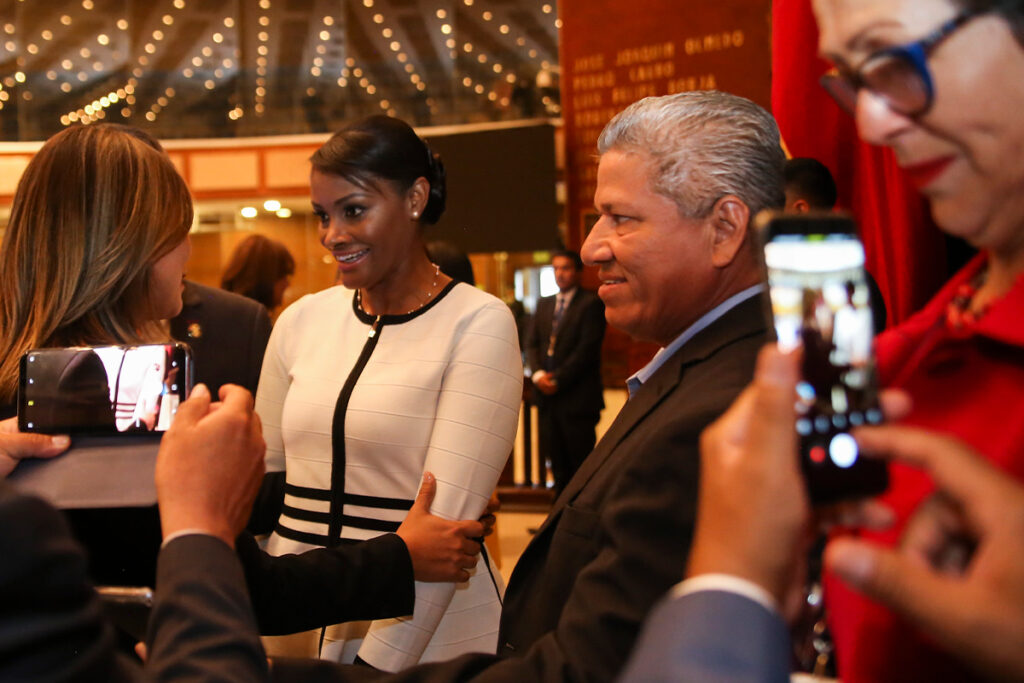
564 347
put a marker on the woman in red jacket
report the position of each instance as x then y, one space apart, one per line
940 82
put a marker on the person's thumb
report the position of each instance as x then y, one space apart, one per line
34 445
425 497
195 408
907 586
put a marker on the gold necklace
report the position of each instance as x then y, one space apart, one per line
428 295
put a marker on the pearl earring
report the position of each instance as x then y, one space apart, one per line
415 214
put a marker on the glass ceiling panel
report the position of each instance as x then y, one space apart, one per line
226 68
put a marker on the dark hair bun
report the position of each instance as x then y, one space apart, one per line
435 175
381 147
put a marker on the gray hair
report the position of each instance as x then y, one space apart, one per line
705 145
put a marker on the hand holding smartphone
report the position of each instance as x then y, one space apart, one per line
820 300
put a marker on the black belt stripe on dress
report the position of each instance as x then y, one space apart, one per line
348 520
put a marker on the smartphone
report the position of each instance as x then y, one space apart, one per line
128 608
820 301
103 389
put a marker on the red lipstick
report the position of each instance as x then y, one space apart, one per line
922 174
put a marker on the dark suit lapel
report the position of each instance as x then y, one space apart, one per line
569 325
742 321
191 301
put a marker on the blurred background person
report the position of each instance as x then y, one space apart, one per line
563 348
811 187
913 74
398 371
261 269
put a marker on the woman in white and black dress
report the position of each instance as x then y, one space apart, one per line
397 372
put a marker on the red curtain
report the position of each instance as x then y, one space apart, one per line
905 252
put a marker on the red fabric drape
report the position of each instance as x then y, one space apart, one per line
905 252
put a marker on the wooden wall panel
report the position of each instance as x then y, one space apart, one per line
223 170
614 53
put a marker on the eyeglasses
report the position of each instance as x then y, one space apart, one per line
899 75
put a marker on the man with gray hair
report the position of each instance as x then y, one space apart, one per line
679 179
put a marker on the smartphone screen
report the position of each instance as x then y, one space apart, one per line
103 389
820 300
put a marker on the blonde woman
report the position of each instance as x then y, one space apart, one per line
95 253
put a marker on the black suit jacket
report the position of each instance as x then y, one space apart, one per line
617 538
228 334
577 352
203 625
370 579
51 626
711 636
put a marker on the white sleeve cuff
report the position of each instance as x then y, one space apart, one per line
728 584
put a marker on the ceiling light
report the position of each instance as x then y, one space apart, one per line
249 212
271 205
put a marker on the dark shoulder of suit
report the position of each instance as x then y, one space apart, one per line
51 626
228 334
